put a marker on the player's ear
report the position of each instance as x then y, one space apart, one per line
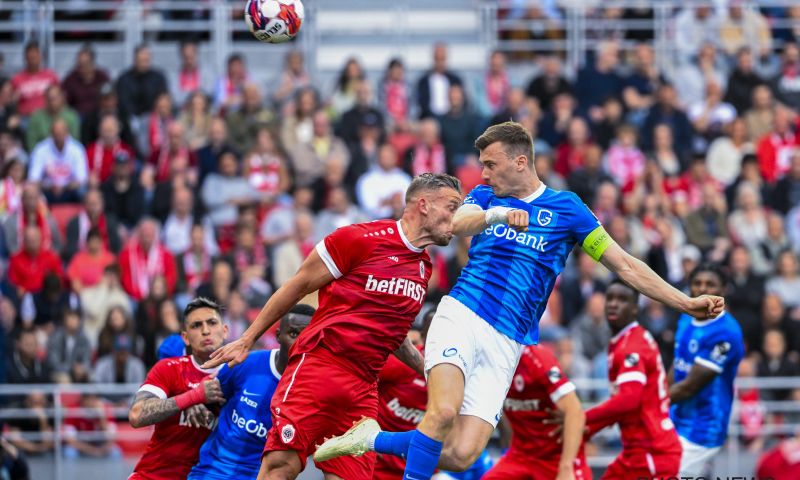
185 337
422 204
521 162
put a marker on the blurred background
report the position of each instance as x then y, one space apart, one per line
196 161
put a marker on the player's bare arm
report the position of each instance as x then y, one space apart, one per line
471 219
149 409
698 377
199 416
574 422
637 274
312 276
408 354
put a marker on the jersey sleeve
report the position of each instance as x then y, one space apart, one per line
479 197
588 231
227 379
550 374
631 367
715 351
343 249
159 380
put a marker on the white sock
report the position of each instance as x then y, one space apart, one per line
371 442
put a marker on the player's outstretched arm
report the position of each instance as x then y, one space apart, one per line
574 421
698 377
312 276
471 219
638 275
149 409
408 354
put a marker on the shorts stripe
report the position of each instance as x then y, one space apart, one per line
293 375
650 463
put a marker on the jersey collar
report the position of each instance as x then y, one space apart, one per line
536 194
703 323
204 370
273 363
405 239
622 332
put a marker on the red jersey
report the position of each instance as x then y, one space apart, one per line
31 88
380 284
538 384
402 398
174 447
782 462
633 356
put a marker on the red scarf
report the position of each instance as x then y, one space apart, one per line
428 160
156 131
189 80
396 94
102 158
165 159
243 258
10 201
41 224
145 266
497 88
84 224
196 268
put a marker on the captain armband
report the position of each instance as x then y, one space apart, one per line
596 243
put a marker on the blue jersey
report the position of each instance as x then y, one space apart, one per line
234 448
172 346
510 274
716 344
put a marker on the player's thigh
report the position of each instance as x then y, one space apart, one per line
465 442
280 465
452 337
695 457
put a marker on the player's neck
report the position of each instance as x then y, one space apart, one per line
200 359
281 361
527 188
415 234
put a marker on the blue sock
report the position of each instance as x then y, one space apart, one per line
423 457
394 443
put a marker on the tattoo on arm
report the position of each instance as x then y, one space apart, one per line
151 409
408 354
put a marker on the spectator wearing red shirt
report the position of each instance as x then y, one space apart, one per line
143 259
775 149
782 462
28 267
102 152
428 154
569 155
87 266
31 83
173 150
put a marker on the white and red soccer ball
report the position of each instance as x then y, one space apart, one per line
274 21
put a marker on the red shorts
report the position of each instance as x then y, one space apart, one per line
319 397
388 467
520 466
643 466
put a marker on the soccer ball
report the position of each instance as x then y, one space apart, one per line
274 21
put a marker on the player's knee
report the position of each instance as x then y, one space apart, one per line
441 417
458 458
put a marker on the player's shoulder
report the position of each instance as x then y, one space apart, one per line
172 363
539 357
480 191
369 230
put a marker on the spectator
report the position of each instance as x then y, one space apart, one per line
605 204
173 152
222 193
9 119
180 223
777 362
229 91
250 261
278 224
29 267
102 152
746 292
344 95
339 212
12 177
266 168
693 27
32 81
747 224
394 93
41 121
598 81
221 284
744 26
428 154
190 77
585 180
364 111
742 81
515 108
121 365
553 125
97 428
117 323
11 148
787 282
38 422
139 86
293 78
92 216
766 253
196 120
692 79
725 154
235 317
707 223
551 83
25 365
170 324
640 86
590 330
780 462
666 111
290 254
68 350
59 165
158 121
750 173
775 149
577 290
432 87
786 193
108 105
13 464
495 85
460 126
87 265
625 161
785 84
543 163
99 300
760 117
243 124
123 196
711 117
570 154
33 212
309 159
670 162
208 155
666 241
143 259
82 85
194 263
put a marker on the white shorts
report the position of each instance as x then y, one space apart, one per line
695 457
487 358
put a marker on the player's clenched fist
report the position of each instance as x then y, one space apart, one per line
705 306
514 218
518 220
213 391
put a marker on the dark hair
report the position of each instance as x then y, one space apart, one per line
87 49
139 48
186 42
431 181
32 45
303 309
93 232
515 139
619 281
395 62
710 267
341 82
201 302
235 57
69 312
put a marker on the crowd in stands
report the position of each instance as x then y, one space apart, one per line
122 198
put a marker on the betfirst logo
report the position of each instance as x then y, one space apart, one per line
250 426
514 405
396 286
535 242
412 415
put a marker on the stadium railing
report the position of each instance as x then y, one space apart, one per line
780 419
